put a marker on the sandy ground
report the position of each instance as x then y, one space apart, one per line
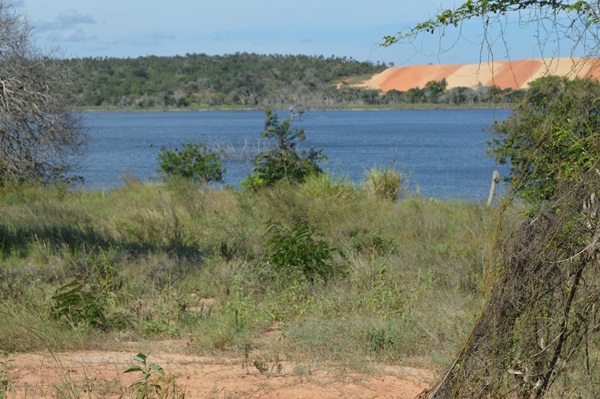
99 374
514 74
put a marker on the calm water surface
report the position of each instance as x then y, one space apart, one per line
443 151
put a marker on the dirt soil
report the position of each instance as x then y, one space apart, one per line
99 374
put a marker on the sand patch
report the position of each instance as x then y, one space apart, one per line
515 74
98 374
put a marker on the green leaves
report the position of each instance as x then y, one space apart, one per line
79 302
552 136
205 81
146 388
89 299
294 252
194 162
6 385
471 9
283 161
134 369
147 369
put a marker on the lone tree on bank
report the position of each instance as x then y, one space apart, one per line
538 332
38 132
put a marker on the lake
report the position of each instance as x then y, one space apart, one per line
443 151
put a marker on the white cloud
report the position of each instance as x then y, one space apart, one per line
66 27
72 18
65 20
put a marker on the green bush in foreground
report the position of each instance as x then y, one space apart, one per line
194 162
283 161
294 252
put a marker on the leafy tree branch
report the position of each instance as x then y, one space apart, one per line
580 12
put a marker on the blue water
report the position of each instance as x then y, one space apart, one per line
443 151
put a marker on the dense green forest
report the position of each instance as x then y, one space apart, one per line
246 80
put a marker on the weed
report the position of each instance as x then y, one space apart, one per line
294 252
86 300
6 386
385 296
158 327
153 382
261 366
302 370
373 243
325 185
78 302
221 332
381 338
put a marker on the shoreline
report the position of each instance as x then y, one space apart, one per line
411 107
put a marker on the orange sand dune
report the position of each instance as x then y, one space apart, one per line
405 78
504 74
515 74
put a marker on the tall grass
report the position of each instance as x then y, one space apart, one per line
180 260
385 183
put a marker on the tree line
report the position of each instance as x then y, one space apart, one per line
200 80
249 80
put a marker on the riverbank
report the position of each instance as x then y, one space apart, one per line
387 107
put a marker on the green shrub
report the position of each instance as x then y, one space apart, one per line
194 162
294 252
87 300
283 161
551 136
79 302
385 183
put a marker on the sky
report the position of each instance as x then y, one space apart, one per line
132 28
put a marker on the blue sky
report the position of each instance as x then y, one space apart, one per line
132 28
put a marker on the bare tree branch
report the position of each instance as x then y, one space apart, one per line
39 135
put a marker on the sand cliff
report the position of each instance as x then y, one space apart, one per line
504 74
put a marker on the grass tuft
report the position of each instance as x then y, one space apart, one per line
385 183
